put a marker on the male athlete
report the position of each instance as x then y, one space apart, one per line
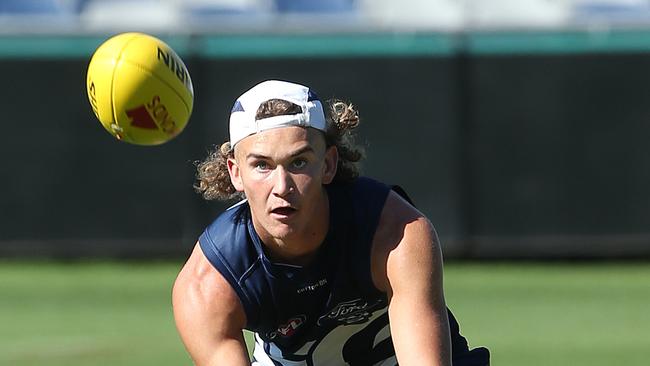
325 267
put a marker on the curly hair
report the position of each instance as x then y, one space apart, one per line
213 180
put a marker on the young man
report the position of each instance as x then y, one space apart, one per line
325 267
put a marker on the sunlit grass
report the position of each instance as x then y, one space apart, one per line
527 314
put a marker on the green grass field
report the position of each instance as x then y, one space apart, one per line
527 314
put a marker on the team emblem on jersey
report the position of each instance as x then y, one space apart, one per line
349 312
288 329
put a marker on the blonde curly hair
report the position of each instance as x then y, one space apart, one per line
213 180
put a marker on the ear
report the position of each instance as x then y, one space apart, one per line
235 175
331 163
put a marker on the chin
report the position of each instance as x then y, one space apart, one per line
282 231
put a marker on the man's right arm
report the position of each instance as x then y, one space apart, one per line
209 316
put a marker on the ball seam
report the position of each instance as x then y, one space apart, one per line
169 85
117 60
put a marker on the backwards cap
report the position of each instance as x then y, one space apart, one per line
242 116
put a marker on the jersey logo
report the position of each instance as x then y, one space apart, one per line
288 329
349 312
313 287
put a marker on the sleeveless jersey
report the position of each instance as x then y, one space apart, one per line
326 313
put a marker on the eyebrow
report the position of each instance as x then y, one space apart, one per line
301 151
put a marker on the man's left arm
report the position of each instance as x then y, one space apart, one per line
407 265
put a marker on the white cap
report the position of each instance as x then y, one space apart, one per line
242 116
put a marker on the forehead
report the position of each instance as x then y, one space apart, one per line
281 141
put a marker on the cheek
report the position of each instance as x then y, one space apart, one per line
253 188
256 199
308 183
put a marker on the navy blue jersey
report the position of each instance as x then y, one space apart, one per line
326 313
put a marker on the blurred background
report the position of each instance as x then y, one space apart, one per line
519 127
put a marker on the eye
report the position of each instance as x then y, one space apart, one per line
261 165
299 163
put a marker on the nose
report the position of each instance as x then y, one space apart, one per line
283 183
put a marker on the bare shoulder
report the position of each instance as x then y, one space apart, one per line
200 283
404 237
204 301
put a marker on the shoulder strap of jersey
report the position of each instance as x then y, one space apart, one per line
399 190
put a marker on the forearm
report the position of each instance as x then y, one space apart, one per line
420 337
229 352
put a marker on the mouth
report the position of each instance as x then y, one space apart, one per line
283 212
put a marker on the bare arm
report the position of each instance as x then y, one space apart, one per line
407 265
208 314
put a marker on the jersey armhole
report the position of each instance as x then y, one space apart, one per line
217 260
402 193
368 207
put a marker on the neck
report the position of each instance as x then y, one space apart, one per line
300 247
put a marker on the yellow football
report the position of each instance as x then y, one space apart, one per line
139 89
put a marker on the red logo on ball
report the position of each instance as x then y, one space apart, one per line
141 118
